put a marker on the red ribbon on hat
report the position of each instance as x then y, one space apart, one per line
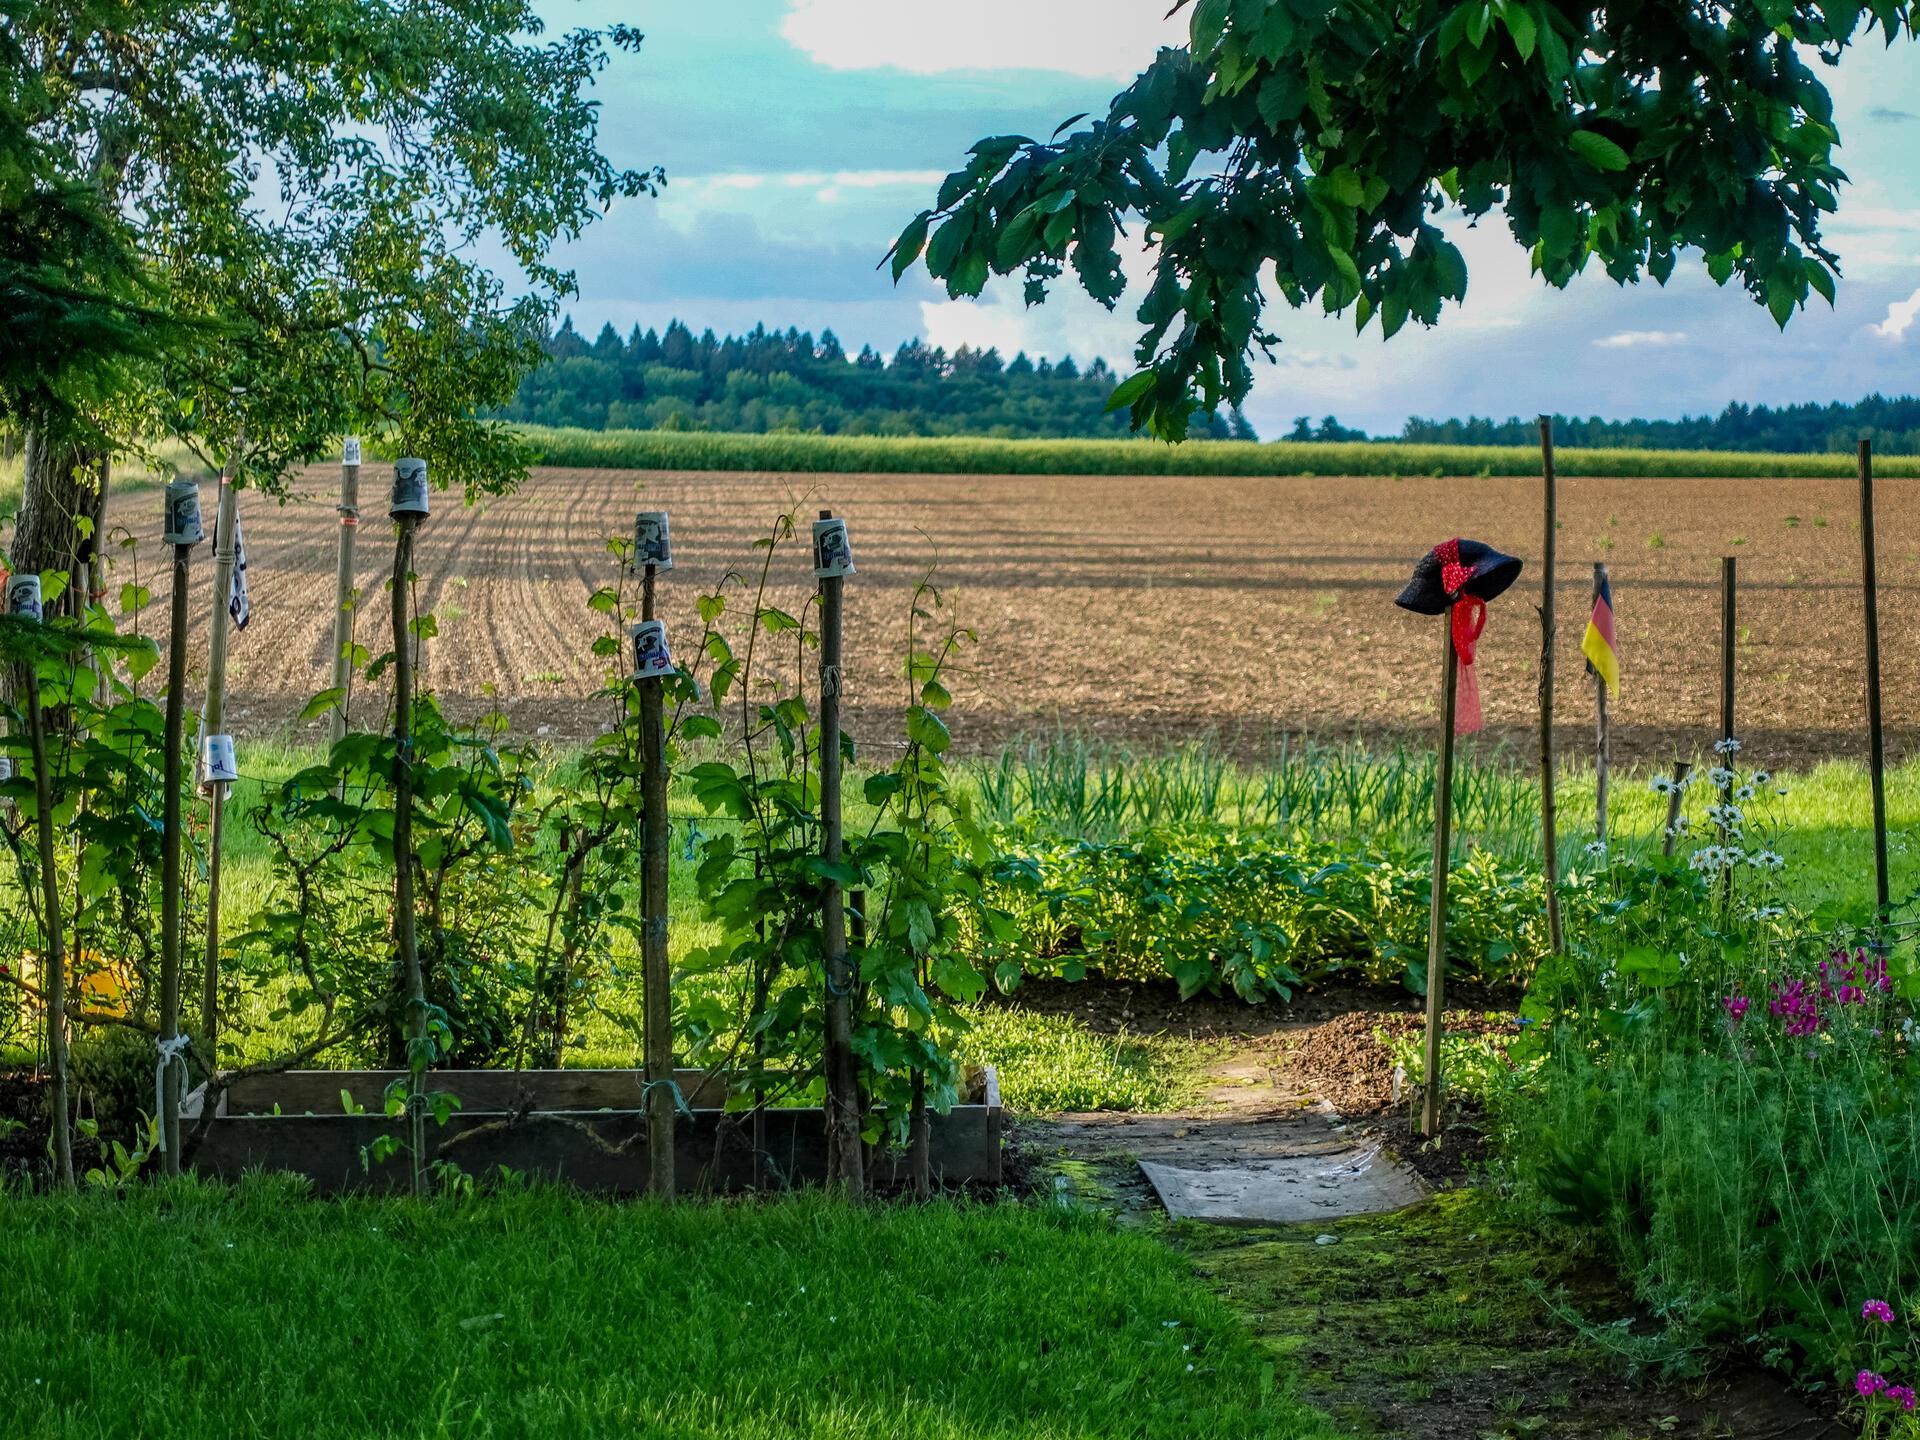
1469 618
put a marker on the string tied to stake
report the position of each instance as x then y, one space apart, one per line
172 1051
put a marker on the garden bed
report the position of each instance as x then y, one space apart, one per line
584 1127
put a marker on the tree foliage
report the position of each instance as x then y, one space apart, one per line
321 180
1311 150
77 302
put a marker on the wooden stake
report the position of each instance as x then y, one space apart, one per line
170 917
1602 741
343 587
1674 797
1729 574
405 939
845 1160
55 950
656 974
1876 739
1549 839
213 722
1442 858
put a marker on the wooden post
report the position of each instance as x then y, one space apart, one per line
1729 615
1876 739
212 722
1674 797
55 950
405 940
845 1161
656 973
343 603
1549 839
1437 904
170 917
1602 741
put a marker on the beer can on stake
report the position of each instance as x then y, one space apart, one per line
350 452
652 541
832 555
651 658
409 488
183 513
218 764
23 597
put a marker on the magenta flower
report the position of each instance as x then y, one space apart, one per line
1853 979
1877 1310
1797 1007
1901 1395
1736 1007
1869 1384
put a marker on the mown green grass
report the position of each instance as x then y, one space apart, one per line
1049 1062
202 1311
973 455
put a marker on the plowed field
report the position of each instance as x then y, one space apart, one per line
1141 609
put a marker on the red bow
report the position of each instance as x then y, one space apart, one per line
1468 620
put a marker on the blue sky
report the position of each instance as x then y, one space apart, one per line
799 135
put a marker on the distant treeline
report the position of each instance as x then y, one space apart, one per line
790 382
1892 424
769 381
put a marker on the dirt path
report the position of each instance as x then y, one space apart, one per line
1445 1320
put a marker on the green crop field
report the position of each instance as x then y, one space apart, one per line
967 455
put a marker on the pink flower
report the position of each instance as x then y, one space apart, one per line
1901 1395
1877 1310
1869 1384
1736 1007
1797 1008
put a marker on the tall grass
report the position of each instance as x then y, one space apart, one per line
951 455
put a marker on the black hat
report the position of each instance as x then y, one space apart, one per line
1455 568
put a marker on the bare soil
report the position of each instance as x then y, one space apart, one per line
1142 610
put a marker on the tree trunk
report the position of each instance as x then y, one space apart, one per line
60 487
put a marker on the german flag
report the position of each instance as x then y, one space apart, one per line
1598 645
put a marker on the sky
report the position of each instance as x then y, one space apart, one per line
798 136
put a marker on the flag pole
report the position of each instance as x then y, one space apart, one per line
1602 739
1549 839
1876 741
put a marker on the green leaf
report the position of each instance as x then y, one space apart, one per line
906 250
323 702
948 241
1522 27
1597 150
927 729
1130 390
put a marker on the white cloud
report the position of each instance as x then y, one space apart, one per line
1101 39
819 181
1901 315
1633 339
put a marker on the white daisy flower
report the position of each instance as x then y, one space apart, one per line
1728 746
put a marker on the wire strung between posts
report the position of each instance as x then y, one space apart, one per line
172 1051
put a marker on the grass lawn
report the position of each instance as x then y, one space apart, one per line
197 1310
